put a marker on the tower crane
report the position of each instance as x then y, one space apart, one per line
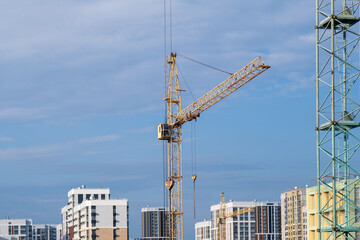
221 220
171 131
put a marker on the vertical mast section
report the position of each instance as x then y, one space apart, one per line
175 173
221 220
337 120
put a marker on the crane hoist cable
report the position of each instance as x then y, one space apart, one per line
165 154
171 25
193 125
204 64
193 143
193 159
187 85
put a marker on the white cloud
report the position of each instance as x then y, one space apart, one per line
77 59
99 139
308 38
148 129
69 27
6 139
50 150
24 113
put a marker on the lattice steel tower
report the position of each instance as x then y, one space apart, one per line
337 120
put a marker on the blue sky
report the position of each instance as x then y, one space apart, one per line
81 96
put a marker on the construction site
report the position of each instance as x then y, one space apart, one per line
207 120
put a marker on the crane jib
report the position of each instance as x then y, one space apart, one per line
231 84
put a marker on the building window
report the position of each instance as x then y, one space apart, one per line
96 196
102 196
23 230
114 216
16 230
114 234
93 234
80 198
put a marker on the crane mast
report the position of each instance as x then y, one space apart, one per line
222 216
174 182
171 131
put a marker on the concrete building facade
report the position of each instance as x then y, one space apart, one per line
19 229
45 232
92 215
294 214
154 223
326 201
8 238
264 223
24 229
203 230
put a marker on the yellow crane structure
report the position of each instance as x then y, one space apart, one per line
171 131
223 215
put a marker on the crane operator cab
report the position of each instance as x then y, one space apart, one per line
164 131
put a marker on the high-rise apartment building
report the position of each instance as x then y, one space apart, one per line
92 215
325 203
294 214
202 230
20 229
59 232
263 223
45 232
24 229
154 223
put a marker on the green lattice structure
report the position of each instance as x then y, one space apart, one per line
337 117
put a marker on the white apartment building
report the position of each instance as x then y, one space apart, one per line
19 229
263 223
24 229
202 230
58 231
92 215
8 238
45 232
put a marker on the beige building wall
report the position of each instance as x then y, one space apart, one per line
294 214
105 233
326 202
